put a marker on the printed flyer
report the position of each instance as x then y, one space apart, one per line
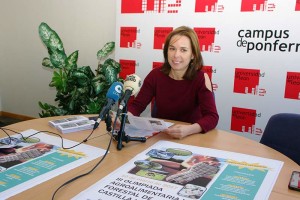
169 170
28 161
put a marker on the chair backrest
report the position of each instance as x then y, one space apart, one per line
282 133
153 108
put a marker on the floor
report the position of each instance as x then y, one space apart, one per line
4 121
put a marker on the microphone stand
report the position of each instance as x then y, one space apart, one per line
122 135
108 122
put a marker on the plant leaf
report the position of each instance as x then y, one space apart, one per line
113 63
99 78
110 71
93 107
59 80
98 87
45 32
50 110
50 38
106 49
55 43
47 63
71 62
58 58
82 77
87 71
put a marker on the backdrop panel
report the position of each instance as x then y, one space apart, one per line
250 50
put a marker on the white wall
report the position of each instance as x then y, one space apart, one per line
82 25
0 102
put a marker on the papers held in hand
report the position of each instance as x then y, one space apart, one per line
144 127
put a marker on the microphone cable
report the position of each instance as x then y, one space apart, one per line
97 164
30 136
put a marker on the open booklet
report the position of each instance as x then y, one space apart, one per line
144 127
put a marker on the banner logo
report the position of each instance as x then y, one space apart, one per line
243 120
150 6
297 7
156 64
160 34
292 87
127 68
246 81
209 71
208 6
257 5
206 38
128 37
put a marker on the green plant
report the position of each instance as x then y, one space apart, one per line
79 90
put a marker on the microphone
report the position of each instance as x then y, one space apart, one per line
132 85
113 94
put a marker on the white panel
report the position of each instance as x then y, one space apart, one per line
229 19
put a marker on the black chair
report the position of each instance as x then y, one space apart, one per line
282 133
153 108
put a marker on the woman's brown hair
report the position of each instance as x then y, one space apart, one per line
196 63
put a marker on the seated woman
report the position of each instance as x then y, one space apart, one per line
182 91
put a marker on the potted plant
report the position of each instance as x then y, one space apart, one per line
79 89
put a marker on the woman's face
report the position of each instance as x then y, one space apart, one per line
180 53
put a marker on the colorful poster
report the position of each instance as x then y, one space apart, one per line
168 170
30 158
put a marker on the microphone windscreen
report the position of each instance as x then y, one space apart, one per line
133 83
115 91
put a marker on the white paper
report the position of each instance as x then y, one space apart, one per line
143 126
144 123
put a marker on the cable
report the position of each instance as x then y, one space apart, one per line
87 173
62 140
97 164
10 138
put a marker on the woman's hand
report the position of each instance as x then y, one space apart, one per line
180 131
118 122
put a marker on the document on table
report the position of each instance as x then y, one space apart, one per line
37 157
144 127
169 170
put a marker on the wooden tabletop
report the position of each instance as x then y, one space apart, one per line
215 139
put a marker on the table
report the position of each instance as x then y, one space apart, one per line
216 139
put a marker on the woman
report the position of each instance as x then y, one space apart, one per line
181 90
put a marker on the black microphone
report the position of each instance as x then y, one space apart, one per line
132 85
113 94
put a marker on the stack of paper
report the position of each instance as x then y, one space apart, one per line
72 124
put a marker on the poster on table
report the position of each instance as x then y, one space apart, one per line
32 157
169 170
